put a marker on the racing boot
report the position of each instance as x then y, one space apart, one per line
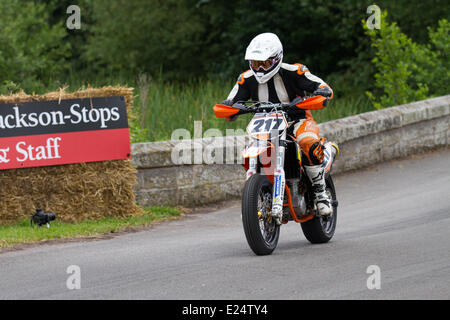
316 175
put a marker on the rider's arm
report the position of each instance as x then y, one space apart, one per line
311 83
240 91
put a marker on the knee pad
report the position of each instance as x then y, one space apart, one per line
313 151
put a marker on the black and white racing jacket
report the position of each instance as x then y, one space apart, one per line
291 81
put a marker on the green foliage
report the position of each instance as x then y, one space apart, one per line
133 36
32 52
9 87
137 133
179 42
408 71
415 16
22 232
174 105
76 38
440 49
185 39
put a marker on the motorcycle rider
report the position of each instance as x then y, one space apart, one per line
271 80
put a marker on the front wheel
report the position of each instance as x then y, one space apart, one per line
260 228
321 229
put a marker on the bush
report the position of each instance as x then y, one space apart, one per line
408 71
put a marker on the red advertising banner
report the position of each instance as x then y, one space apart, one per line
48 133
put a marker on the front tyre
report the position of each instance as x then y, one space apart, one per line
260 228
321 229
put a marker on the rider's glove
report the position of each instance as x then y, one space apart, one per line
325 91
229 103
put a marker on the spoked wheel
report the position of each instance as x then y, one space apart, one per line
321 229
260 228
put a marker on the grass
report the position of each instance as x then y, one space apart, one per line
173 105
22 232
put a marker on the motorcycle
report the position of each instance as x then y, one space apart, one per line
277 189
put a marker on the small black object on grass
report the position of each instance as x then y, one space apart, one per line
41 217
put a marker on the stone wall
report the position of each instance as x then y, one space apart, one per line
363 139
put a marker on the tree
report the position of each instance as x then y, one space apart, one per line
150 36
32 52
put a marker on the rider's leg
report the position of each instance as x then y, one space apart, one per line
312 145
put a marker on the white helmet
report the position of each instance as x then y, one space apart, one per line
265 55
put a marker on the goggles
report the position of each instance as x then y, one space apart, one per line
264 65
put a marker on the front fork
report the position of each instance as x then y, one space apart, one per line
278 176
279 180
252 163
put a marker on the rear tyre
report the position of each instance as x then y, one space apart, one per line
260 228
321 229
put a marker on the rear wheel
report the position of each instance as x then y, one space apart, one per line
321 229
260 228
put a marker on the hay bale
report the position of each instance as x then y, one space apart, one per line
76 191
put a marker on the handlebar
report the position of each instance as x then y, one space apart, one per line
267 106
240 107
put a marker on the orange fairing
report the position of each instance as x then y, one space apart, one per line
313 103
224 111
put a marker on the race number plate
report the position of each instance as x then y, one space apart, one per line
262 124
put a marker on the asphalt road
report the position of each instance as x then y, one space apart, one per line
395 215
